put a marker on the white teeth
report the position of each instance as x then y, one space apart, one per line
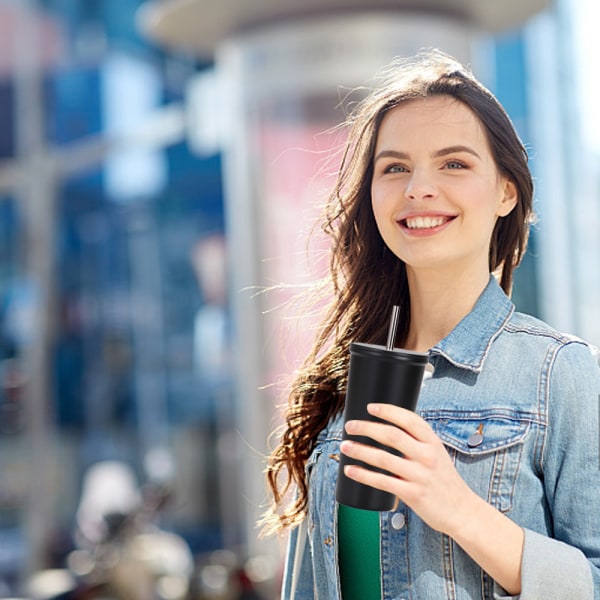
424 222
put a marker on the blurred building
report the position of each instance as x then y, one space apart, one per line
102 206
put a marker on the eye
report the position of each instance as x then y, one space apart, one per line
455 164
395 168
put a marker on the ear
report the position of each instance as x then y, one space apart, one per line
509 199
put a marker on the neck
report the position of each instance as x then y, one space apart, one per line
438 304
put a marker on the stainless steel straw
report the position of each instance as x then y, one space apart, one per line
393 327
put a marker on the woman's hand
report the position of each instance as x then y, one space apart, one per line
424 477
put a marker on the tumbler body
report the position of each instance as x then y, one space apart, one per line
376 374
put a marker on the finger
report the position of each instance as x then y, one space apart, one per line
386 435
380 481
406 420
379 458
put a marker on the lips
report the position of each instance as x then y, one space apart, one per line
425 222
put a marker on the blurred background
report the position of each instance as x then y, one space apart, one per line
161 165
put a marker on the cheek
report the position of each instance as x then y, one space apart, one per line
481 201
379 214
375 203
380 203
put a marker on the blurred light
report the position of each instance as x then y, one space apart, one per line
21 312
130 93
50 583
260 568
586 16
80 562
158 464
172 587
214 578
207 116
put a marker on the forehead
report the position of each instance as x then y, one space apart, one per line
431 120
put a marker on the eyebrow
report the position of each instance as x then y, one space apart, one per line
436 154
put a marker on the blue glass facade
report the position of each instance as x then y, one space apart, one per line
111 331
511 90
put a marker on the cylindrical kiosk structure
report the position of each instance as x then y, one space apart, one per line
283 82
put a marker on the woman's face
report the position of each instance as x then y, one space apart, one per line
436 191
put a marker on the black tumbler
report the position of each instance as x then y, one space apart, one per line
376 374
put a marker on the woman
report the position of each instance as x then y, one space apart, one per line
498 480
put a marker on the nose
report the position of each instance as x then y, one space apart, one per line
420 186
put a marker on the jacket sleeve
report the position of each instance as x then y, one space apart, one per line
297 573
567 565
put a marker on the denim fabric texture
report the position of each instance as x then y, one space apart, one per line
534 393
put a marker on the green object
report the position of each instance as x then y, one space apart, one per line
358 553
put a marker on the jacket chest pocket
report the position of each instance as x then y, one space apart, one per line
487 451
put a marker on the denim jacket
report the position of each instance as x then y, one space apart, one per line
537 394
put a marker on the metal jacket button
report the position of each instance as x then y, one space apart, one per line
477 438
398 521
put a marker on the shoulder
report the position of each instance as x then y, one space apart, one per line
529 326
558 354
572 364
524 323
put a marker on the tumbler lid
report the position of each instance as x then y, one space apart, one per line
377 351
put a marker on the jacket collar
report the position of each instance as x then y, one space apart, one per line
468 343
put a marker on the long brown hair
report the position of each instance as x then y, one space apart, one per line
366 277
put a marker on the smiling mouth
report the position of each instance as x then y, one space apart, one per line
425 222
